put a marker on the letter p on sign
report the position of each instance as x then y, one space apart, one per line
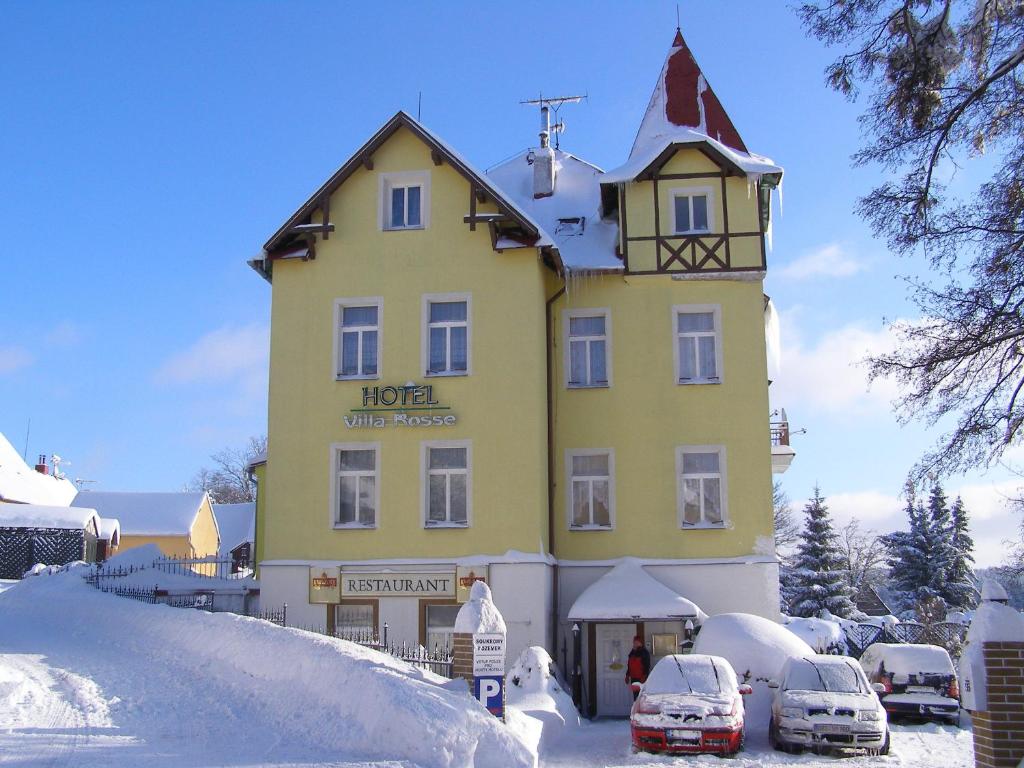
488 691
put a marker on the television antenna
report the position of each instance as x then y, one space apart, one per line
548 105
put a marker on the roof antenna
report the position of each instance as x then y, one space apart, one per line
546 107
419 105
677 18
28 431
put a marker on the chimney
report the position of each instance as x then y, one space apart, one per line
544 158
41 467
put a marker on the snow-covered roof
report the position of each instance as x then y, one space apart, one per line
44 516
627 592
110 530
571 217
236 523
146 514
20 482
685 110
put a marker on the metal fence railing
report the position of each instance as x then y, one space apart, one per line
437 660
206 601
948 635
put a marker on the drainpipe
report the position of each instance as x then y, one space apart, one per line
549 338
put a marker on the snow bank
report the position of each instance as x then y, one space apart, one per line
757 648
532 689
136 557
314 692
479 614
822 635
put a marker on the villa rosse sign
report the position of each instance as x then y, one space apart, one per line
406 405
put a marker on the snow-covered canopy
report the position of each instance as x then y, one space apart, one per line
236 523
110 530
20 482
628 592
571 217
146 514
41 516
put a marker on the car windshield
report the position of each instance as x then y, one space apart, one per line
831 677
690 674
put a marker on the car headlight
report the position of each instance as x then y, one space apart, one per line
792 712
868 714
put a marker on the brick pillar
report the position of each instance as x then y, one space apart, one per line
462 657
999 731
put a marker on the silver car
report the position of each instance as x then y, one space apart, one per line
825 703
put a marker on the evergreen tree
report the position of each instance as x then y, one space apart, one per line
910 551
960 591
818 579
939 530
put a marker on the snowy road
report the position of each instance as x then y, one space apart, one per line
605 743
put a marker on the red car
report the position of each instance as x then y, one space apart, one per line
689 703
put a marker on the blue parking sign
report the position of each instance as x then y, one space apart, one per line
488 691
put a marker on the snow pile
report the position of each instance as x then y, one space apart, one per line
822 635
479 614
627 591
995 623
287 691
532 689
757 648
136 557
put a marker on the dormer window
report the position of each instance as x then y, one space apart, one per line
404 200
691 211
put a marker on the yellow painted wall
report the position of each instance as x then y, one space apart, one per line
172 546
500 406
260 470
645 415
204 538
742 203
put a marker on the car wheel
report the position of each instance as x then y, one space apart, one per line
884 749
773 740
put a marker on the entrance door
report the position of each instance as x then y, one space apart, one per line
614 642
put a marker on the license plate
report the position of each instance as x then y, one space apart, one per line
831 728
919 689
689 735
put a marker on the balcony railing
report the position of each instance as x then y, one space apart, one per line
780 432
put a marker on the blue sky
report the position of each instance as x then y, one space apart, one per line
148 149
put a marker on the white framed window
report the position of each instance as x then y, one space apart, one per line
447 486
404 200
692 210
355 485
700 471
357 336
591 489
697 336
588 346
440 626
447 334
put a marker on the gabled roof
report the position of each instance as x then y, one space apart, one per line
236 524
289 240
684 110
146 514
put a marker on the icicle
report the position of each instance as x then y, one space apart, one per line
780 196
773 338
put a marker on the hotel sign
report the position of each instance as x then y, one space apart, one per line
406 405
369 584
324 585
465 575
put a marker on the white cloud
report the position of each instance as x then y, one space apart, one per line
830 260
63 334
227 354
14 358
830 374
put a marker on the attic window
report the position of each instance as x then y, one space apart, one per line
404 201
571 227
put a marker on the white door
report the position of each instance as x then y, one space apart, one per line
614 642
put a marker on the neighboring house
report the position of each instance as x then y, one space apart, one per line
526 376
181 524
21 484
110 539
237 525
870 602
32 533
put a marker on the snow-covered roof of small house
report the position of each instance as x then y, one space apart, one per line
22 483
45 516
627 592
571 217
685 110
146 514
236 524
110 530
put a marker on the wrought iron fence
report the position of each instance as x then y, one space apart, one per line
437 660
948 635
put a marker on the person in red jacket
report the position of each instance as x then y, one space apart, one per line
638 667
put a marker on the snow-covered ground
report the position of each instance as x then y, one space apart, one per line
7 583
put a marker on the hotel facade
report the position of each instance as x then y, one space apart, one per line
543 375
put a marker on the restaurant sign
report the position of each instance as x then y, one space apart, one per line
465 576
405 405
324 584
370 584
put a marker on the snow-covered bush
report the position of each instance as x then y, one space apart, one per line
533 689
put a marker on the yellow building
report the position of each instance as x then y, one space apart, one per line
181 524
547 375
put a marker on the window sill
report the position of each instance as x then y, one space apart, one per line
691 382
354 527
591 528
445 374
605 385
704 527
403 229
693 232
369 377
430 526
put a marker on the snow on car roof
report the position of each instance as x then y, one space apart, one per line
146 514
628 591
20 482
235 522
699 673
571 216
906 659
44 516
